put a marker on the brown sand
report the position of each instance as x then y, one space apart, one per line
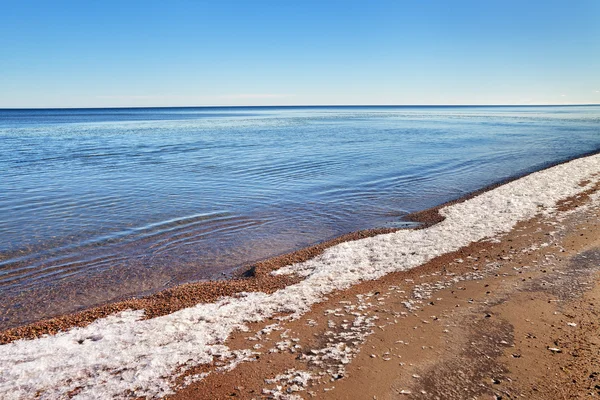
513 319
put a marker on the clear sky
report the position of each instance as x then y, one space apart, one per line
298 52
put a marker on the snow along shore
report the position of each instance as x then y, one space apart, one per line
122 355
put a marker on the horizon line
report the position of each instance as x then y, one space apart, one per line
306 106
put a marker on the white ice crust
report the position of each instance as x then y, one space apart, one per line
123 355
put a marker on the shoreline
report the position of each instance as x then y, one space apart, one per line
513 318
255 278
248 278
203 347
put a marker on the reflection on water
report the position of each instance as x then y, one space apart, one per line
96 205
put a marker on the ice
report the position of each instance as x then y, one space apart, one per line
124 354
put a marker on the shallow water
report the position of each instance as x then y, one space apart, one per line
97 205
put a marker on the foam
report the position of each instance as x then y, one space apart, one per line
124 355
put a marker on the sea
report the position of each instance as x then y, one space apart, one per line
99 205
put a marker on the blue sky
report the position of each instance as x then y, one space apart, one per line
172 53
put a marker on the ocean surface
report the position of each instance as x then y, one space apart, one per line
98 205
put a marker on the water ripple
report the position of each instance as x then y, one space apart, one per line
104 204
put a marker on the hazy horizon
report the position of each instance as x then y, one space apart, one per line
305 106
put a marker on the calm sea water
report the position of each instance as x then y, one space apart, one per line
97 205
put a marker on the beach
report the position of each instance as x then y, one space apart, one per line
498 298
299 200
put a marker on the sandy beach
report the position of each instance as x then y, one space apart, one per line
498 299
